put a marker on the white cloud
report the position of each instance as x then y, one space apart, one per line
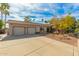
24 9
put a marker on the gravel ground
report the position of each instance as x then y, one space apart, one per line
63 38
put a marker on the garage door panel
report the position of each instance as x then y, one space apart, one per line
26 31
22 31
38 29
31 30
18 31
45 29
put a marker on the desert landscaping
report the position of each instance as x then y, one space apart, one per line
24 32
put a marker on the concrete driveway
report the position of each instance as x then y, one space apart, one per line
36 46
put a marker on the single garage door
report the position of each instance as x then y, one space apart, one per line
26 31
31 31
37 29
18 31
45 29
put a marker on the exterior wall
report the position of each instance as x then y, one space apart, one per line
10 32
25 29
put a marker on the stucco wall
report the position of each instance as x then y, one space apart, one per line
24 29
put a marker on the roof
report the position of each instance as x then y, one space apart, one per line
20 23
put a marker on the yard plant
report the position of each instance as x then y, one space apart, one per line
1 24
64 25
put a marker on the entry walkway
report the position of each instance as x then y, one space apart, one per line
36 46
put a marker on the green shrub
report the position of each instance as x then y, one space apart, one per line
1 24
77 30
64 25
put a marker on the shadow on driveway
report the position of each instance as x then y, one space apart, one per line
14 37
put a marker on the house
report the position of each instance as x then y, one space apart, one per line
26 28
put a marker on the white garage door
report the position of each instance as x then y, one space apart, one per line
37 29
18 31
26 31
31 30
45 29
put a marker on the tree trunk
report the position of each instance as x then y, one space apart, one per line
5 22
1 16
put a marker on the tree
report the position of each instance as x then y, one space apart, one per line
27 19
77 27
54 22
1 24
1 10
77 23
4 7
65 24
62 25
70 21
6 13
46 21
33 19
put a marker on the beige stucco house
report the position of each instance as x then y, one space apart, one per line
26 28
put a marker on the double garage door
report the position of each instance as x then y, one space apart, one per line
23 31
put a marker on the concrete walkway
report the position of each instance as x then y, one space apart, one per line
36 46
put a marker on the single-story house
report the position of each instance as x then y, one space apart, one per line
26 28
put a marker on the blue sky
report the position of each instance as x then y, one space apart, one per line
42 10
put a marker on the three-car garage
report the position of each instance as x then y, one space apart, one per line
23 31
22 28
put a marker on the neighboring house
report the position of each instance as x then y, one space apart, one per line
26 28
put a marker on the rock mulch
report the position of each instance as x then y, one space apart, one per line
64 38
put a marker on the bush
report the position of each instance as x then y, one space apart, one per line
64 25
2 31
77 30
1 24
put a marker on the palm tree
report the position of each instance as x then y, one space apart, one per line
6 12
69 12
27 19
4 7
46 21
33 19
42 20
1 10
